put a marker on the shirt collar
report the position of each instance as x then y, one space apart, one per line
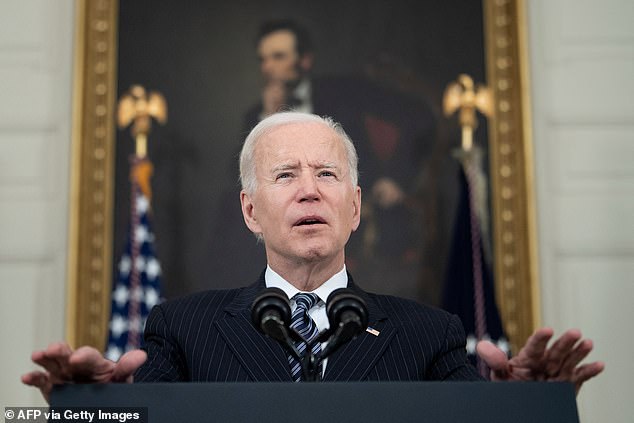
303 91
303 95
338 280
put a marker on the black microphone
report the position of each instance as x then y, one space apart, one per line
348 317
271 314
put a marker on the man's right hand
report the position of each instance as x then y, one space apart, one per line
85 365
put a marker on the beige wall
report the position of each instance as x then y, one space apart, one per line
35 120
582 65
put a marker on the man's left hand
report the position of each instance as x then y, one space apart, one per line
536 361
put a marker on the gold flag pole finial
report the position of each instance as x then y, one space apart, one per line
137 107
463 95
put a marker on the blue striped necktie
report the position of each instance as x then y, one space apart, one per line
302 323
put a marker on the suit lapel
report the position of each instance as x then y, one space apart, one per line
263 358
355 359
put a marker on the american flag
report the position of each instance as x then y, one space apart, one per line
137 286
469 290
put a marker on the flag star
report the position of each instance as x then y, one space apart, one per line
471 344
113 353
124 264
142 204
139 264
140 234
118 325
152 269
151 297
120 295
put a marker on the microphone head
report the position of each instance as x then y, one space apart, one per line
270 302
344 302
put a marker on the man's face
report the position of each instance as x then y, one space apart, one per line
304 206
279 60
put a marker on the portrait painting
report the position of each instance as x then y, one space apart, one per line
379 68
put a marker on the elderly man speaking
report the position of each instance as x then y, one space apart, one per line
300 197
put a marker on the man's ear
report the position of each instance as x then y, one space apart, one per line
248 213
356 209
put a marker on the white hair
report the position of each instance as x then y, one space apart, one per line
247 159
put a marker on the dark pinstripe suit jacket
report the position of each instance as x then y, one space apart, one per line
208 336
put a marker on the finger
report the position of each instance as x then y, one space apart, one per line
575 357
39 357
59 352
127 365
560 351
54 359
536 344
528 363
587 371
39 380
495 358
35 378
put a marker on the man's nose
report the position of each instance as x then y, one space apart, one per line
308 188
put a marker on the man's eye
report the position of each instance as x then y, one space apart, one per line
284 175
327 173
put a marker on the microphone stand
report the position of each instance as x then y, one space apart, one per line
287 337
311 365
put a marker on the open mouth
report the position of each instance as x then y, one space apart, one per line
312 220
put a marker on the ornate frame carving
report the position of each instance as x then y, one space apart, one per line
90 235
511 172
92 173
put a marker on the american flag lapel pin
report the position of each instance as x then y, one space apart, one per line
372 331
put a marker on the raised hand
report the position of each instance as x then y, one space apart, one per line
537 361
85 365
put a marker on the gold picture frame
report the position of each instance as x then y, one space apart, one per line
91 217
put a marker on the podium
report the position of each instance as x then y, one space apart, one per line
438 402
